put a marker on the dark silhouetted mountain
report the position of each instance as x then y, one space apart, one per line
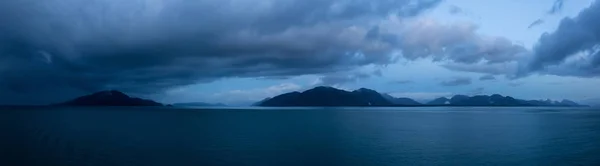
439 101
458 99
332 97
371 97
260 102
198 104
484 100
109 98
329 97
400 100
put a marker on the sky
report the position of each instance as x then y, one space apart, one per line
241 51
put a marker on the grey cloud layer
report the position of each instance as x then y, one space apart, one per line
573 49
458 42
53 49
457 81
487 78
402 82
336 79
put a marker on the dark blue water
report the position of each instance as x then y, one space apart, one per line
350 136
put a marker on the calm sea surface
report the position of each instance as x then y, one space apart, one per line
301 136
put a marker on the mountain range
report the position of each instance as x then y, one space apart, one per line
323 96
331 97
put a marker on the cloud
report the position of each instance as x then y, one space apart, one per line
507 68
341 78
455 10
487 78
535 23
556 83
458 46
556 7
56 49
457 42
515 84
477 91
457 81
572 50
402 82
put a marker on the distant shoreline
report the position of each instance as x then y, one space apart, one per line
212 107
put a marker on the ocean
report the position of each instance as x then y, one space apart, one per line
132 136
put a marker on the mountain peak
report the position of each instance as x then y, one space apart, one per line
496 96
324 88
366 91
329 96
321 89
110 98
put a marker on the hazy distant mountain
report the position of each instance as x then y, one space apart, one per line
400 100
595 102
568 103
439 101
199 104
565 103
498 100
109 98
329 97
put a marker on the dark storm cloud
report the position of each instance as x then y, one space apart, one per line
487 78
573 49
54 49
457 81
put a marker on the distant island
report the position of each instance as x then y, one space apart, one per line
109 98
331 97
199 104
118 98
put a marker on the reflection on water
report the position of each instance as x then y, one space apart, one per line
300 136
